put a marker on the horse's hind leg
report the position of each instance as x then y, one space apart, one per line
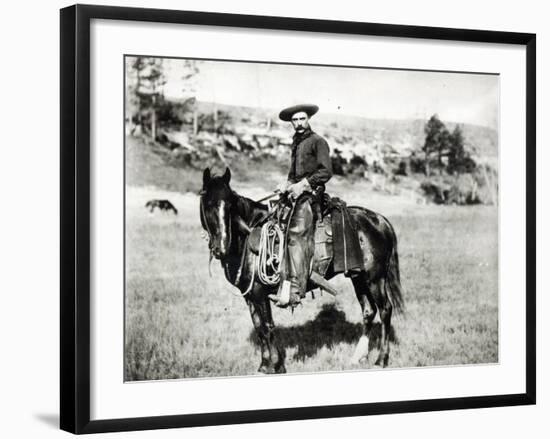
368 309
385 308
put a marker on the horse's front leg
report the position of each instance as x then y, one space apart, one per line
272 356
277 354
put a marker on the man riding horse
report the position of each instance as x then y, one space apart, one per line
310 170
230 220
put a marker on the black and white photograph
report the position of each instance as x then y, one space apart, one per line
299 219
275 220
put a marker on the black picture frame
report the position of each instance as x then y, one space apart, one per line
75 217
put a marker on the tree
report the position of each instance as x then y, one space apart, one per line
189 70
145 82
147 107
456 151
459 160
418 164
436 143
338 162
151 82
134 68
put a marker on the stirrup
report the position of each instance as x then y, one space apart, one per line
296 300
282 298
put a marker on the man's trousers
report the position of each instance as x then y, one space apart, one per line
300 246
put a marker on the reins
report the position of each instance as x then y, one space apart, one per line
267 264
225 265
205 222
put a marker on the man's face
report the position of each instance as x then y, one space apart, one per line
300 121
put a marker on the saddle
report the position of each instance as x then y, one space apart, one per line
335 236
337 240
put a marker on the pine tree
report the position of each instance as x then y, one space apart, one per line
152 81
147 106
457 153
190 70
134 102
436 142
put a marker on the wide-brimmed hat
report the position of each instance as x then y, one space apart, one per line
287 113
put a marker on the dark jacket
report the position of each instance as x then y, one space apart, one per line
310 159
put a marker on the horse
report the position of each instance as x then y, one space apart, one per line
227 218
163 205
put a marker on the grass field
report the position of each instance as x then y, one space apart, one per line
182 323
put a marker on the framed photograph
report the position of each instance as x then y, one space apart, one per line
276 218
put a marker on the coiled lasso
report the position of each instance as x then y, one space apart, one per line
268 261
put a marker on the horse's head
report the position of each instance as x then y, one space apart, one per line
217 205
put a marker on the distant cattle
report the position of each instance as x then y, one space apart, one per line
163 205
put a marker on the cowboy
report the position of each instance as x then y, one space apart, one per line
310 170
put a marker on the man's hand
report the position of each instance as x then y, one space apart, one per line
299 188
283 186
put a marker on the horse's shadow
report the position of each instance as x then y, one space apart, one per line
329 328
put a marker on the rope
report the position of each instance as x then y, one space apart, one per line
268 261
267 264
208 237
249 289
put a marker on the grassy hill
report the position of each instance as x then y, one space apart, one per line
256 146
149 164
402 134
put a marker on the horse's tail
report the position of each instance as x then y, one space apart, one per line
393 282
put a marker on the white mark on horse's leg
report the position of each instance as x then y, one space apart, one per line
361 351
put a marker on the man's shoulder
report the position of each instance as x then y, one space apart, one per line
317 138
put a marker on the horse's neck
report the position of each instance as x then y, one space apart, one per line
249 211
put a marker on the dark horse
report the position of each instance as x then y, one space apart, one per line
227 217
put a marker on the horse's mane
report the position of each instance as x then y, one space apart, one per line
249 210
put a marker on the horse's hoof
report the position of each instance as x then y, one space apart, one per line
361 351
267 369
280 369
358 361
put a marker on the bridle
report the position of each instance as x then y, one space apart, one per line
241 224
244 227
203 216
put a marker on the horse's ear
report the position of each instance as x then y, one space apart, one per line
227 176
205 178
